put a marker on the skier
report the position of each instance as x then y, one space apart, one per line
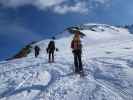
37 50
50 50
77 51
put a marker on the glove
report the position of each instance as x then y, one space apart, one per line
57 49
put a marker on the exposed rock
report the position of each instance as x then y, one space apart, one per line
23 52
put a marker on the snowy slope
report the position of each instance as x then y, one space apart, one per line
108 64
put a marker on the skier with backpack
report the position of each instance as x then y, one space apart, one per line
51 49
77 51
37 50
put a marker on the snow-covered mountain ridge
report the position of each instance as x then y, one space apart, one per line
107 61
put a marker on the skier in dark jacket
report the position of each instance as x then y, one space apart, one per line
37 50
77 51
50 50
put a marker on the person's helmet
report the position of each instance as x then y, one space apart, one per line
53 38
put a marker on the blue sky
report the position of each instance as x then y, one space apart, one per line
24 21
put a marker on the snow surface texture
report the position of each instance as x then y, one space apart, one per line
108 65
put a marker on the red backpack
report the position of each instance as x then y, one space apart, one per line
72 44
75 45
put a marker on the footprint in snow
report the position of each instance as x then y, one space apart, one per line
42 78
108 52
127 48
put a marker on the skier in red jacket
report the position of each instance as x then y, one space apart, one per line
77 51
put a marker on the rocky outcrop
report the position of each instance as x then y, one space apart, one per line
23 52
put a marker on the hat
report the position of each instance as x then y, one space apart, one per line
53 38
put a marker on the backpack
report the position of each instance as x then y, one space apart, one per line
51 46
75 45
72 44
37 48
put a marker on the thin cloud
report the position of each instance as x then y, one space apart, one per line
79 7
102 1
43 4
57 6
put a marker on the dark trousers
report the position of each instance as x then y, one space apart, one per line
36 53
78 61
51 56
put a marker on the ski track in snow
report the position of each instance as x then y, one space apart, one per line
108 71
119 92
120 95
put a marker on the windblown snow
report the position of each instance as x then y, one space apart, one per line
107 61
